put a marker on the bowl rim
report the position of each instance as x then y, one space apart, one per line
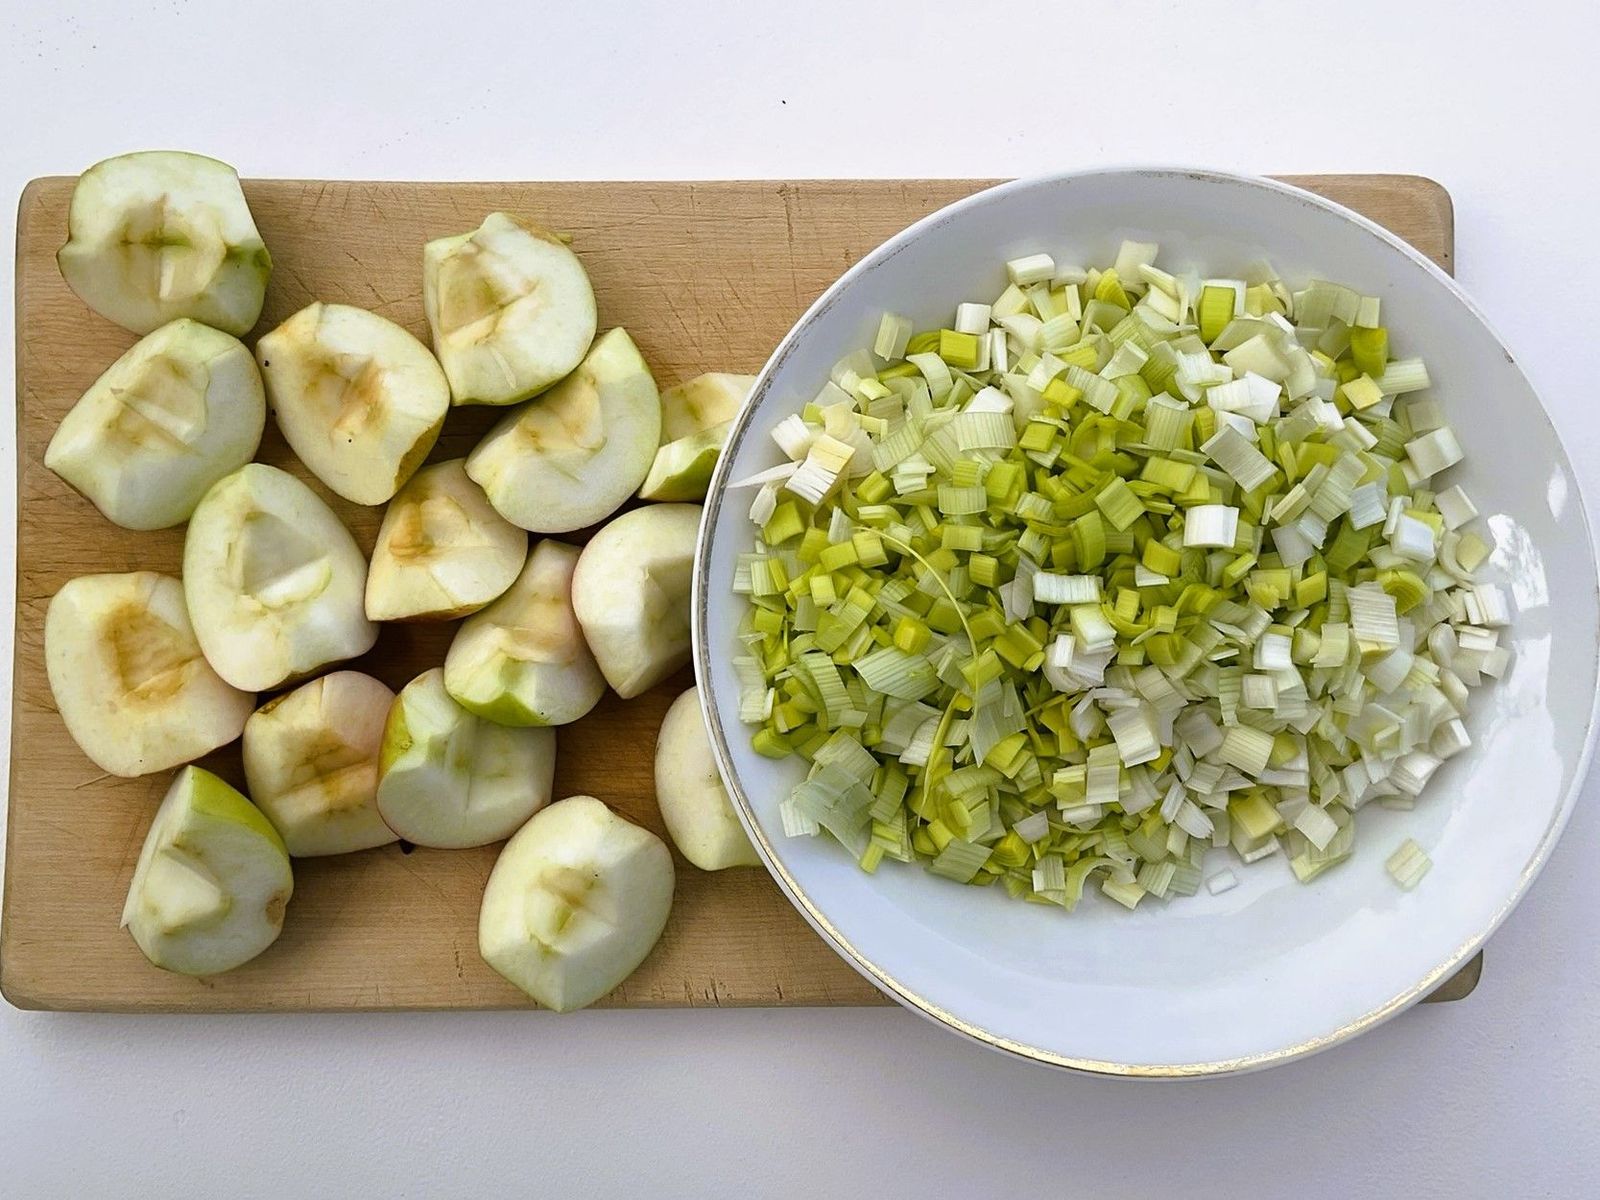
809 909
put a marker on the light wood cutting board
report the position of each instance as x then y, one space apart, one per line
706 276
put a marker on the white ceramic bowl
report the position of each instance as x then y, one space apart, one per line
1272 970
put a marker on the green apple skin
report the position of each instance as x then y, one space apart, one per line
682 469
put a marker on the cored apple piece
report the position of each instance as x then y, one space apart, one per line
128 676
523 660
702 403
179 410
575 903
571 457
158 235
311 760
450 779
511 309
442 551
273 581
689 791
358 398
212 881
631 594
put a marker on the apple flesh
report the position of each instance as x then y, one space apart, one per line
311 760
571 457
523 660
576 901
682 469
631 594
160 234
212 881
689 791
702 403
128 676
273 581
511 309
442 551
449 779
358 398
179 410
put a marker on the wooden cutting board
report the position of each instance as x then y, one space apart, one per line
706 276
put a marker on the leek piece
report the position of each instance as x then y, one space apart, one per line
1408 864
1031 269
894 332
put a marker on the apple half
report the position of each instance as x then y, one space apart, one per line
511 309
442 550
576 901
631 594
523 660
273 580
702 403
160 234
358 398
212 881
449 779
179 410
128 676
311 760
571 457
689 791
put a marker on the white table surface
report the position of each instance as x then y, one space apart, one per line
1491 1097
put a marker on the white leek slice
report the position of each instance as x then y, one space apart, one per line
1210 525
1031 269
1455 506
1434 452
1408 864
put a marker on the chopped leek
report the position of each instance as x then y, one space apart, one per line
1408 864
1117 570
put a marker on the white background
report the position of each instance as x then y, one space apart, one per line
1491 1097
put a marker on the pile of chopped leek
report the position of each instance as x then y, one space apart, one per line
1119 568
